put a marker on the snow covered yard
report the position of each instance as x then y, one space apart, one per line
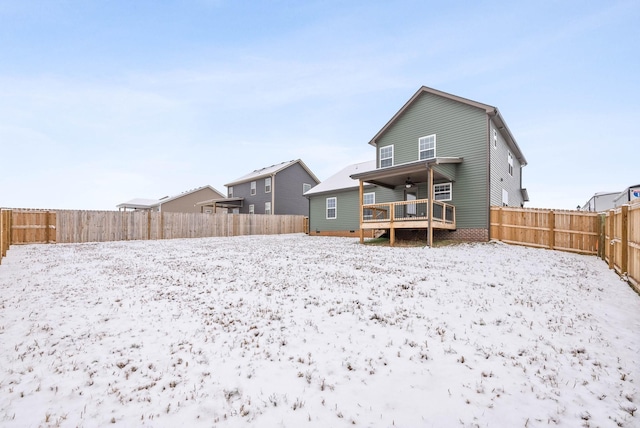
295 331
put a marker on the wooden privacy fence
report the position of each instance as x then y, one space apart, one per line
576 231
5 232
66 226
622 242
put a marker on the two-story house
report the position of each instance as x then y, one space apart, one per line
441 162
277 189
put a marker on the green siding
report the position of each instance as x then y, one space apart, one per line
348 205
461 131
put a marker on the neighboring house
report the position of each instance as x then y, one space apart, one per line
600 201
630 194
184 202
440 154
277 189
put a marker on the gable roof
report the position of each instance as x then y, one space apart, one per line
342 179
493 112
271 170
141 203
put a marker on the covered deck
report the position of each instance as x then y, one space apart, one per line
428 213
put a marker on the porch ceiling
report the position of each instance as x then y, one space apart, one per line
416 172
224 203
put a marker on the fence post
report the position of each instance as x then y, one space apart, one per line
624 263
499 228
552 229
602 240
610 244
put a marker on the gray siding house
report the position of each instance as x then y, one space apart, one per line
442 161
277 189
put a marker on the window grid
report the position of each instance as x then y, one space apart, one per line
267 185
368 198
252 209
253 187
386 156
427 147
332 208
267 208
442 192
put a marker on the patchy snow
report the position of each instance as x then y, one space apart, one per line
294 331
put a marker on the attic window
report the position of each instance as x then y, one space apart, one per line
427 147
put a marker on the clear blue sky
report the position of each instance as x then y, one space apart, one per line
105 101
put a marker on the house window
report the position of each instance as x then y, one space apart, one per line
305 188
427 147
253 187
442 192
367 199
510 162
267 185
332 208
505 198
495 138
386 156
230 191
267 207
252 209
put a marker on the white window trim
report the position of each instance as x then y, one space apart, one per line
267 187
495 138
450 191
252 209
364 197
230 191
335 208
305 187
253 188
510 162
434 147
267 208
392 156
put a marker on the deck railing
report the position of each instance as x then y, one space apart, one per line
416 210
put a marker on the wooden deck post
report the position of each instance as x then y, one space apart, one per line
392 230
361 212
430 207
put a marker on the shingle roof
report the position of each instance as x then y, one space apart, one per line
142 203
342 180
270 170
